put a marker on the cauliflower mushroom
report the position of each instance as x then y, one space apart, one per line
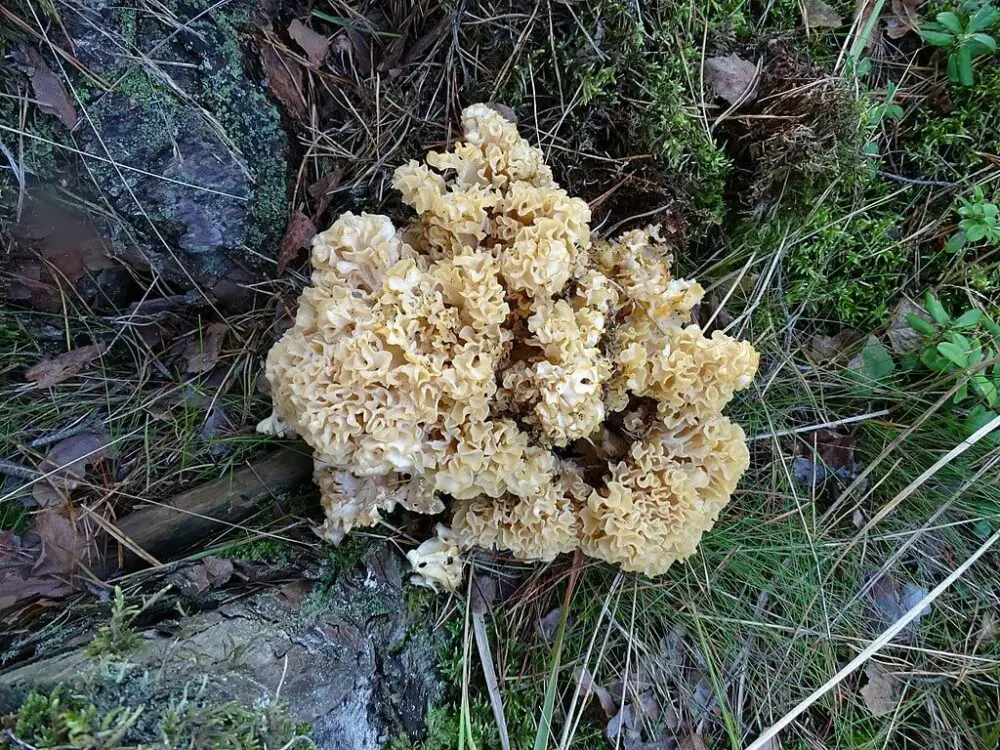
483 358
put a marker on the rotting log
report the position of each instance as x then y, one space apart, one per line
158 530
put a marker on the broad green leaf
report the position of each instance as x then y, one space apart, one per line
976 232
959 340
983 18
953 353
920 325
953 68
986 41
936 309
991 326
950 21
965 75
979 418
933 361
961 394
937 38
968 319
982 385
876 363
955 243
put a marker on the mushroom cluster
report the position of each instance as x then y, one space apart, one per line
493 358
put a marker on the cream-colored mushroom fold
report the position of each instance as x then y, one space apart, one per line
492 359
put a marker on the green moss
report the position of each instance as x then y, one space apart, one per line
116 638
948 134
65 719
608 82
248 116
839 266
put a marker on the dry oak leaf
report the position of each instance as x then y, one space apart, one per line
284 78
300 230
18 555
49 90
65 465
201 354
906 18
52 371
312 42
880 694
820 15
732 78
692 742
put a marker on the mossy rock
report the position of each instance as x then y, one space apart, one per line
187 146
339 651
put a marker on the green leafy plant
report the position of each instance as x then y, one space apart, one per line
980 222
888 109
959 346
117 637
60 720
964 36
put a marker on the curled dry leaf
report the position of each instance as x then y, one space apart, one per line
890 601
44 561
322 191
880 693
297 236
692 742
586 685
18 555
52 371
65 465
50 93
312 42
284 78
905 18
201 354
732 78
902 337
210 573
818 14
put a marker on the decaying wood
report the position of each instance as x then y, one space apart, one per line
162 529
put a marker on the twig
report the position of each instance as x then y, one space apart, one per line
914 181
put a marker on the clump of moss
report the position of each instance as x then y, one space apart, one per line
840 266
955 125
62 718
606 81
117 637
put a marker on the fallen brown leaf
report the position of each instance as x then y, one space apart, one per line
202 352
62 367
732 78
284 78
322 191
820 15
692 742
49 90
890 601
586 684
902 337
880 694
312 42
195 579
65 466
300 230
350 44
18 584
906 18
